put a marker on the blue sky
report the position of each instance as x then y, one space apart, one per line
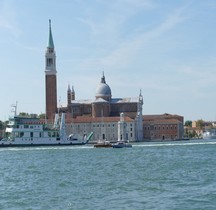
165 48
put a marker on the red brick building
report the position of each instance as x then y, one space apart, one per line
163 127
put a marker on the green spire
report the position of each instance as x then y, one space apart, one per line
50 43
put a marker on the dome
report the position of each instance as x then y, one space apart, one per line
103 90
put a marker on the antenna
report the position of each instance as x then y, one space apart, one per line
14 108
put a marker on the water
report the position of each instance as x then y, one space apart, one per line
175 175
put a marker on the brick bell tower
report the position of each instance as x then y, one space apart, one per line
50 77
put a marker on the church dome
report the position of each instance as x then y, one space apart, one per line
103 90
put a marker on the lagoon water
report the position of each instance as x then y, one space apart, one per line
168 175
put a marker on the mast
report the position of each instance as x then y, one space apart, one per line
14 109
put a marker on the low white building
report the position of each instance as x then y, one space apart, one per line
104 128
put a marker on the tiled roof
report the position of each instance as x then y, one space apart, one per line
113 101
84 119
162 116
162 121
84 101
125 100
100 100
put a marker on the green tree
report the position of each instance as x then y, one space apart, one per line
23 114
188 123
192 134
200 124
1 125
42 116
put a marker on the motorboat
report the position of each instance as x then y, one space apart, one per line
103 144
121 144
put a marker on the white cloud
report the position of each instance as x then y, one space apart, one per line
7 19
125 50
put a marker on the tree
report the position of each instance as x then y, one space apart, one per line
200 124
42 116
188 123
23 114
1 125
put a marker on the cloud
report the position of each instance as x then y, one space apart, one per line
115 15
126 49
7 19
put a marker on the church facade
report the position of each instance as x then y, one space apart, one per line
103 115
109 118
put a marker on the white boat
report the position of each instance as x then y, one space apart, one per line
31 131
121 144
103 144
211 134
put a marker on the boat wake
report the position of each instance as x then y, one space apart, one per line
174 144
45 148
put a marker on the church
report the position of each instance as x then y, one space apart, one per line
103 115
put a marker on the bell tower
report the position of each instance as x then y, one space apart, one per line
50 77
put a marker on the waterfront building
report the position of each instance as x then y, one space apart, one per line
163 127
105 130
101 114
109 118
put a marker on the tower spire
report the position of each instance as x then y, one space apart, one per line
50 42
69 90
50 77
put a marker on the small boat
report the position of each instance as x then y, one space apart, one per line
211 134
121 144
32 131
103 144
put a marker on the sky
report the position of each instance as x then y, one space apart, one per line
166 49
